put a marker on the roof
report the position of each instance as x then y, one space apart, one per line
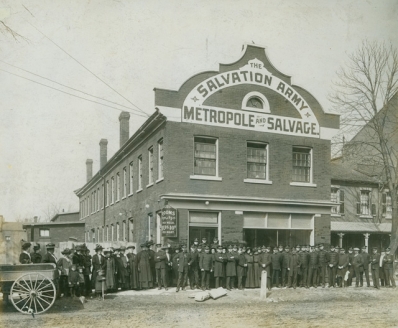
360 227
65 214
53 223
346 172
11 226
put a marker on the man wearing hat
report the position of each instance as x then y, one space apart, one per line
350 266
313 264
24 257
388 261
276 259
215 243
333 260
175 265
230 268
133 272
206 267
204 242
218 265
357 263
194 268
98 263
160 267
49 257
342 268
294 266
122 267
63 265
303 255
322 265
265 264
144 268
183 260
374 265
285 266
365 259
381 268
36 255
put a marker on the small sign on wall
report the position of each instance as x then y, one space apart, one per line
169 222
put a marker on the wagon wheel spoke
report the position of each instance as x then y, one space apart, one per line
43 300
24 304
48 285
43 309
22 286
37 276
41 281
21 300
34 301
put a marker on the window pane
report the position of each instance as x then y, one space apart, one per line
301 164
205 156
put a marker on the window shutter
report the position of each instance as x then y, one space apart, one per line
341 201
373 209
358 208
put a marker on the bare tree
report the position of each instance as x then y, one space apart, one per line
365 94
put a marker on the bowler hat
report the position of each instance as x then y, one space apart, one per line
98 247
66 251
130 246
50 245
26 245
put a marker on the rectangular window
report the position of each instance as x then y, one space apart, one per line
44 232
107 233
88 205
98 199
131 232
387 205
140 173
337 196
107 193
98 234
93 235
124 182
124 231
131 178
160 159
117 232
256 161
117 187
364 207
301 165
150 165
205 156
112 231
112 190
103 195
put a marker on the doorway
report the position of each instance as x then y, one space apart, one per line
201 232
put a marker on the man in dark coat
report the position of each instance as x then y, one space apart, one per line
285 266
350 266
342 269
24 257
133 272
206 267
388 261
144 267
193 273
87 269
357 263
230 267
276 259
303 255
365 259
333 260
98 263
241 267
265 264
374 264
313 264
122 263
175 265
36 255
183 260
218 266
293 268
322 265
160 267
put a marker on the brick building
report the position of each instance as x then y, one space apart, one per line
61 228
11 236
239 153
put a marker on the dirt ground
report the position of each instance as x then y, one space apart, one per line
349 307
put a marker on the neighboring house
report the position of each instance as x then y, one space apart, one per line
362 214
61 227
240 153
11 235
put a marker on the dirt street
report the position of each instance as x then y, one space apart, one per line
350 307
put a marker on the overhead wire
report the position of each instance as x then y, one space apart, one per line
87 69
68 93
45 78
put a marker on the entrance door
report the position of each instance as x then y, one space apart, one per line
200 232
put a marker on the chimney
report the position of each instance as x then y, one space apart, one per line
89 169
35 219
103 152
124 118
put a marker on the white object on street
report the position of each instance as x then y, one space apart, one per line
263 290
202 296
217 293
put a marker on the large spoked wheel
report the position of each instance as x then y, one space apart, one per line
32 293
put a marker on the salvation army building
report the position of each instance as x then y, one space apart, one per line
240 154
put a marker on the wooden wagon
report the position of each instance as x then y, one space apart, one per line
30 288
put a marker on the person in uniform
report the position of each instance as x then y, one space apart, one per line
160 266
193 274
374 265
63 265
357 263
313 265
265 264
175 265
230 267
144 268
169 264
200 251
249 282
381 268
276 259
256 266
196 242
322 265
204 242
36 255
303 255
388 261
151 252
241 267
342 268
350 266
133 272
285 266
87 269
206 267
98 263
183 259
293 268
365 259
332 262
218 266
24 257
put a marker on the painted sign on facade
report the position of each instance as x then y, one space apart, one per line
169 222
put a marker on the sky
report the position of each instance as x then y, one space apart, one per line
120 51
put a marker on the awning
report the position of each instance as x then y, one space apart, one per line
336 226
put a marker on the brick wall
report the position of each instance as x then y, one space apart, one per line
322 229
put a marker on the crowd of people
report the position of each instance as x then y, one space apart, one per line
207 266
